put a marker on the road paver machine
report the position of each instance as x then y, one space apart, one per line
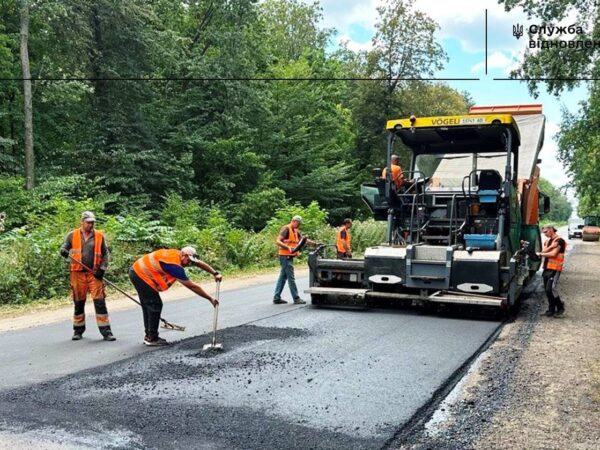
455 229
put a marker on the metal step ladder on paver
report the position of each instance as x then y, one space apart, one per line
428 267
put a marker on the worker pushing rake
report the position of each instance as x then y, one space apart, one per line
157 272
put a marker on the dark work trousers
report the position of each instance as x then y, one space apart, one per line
101 316
550 278
151 304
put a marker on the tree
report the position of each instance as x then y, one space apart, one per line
291 28
563 67
310 138
27 102
579 151
11 109
560 208
404 47
219 123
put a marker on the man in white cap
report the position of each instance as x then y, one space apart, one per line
290 242
88 252
156 272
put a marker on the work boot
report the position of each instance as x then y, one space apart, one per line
549 313
77 336
156 342
279 301
108 336
560 313
299 301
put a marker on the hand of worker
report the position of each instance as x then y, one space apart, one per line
218 276
64 252
214 301
99 274
349 254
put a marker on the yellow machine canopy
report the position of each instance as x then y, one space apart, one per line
479 132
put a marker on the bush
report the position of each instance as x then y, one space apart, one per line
30 207
179 213
367 233
257 207
313 219
14 201
31 268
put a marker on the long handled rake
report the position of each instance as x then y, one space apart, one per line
165 324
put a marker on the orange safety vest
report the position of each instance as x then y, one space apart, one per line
291 241
148 268
397 175
557 262
340 242
77 246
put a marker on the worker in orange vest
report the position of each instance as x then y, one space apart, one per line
289 241
156 272
343 241
397 173
554 253
88 247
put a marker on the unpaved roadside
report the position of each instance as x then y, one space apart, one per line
44 314
538 385
553 403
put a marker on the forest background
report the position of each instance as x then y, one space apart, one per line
197 122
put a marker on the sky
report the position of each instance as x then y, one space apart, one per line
462 36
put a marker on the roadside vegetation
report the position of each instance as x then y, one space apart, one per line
32 269
579 137
204 123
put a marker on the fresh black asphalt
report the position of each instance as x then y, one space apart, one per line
307 378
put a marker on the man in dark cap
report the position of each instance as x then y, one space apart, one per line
553 252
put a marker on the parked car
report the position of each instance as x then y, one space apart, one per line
576 228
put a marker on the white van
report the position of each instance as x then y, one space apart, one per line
575 228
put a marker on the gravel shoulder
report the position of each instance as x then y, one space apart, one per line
554 402
538 385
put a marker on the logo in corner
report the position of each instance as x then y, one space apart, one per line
517 31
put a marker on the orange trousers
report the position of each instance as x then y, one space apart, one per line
81 283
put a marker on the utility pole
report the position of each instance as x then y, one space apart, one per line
27 101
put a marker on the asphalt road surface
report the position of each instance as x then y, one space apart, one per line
289 377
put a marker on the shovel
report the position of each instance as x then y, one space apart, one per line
213 345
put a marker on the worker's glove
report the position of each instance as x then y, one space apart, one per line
99 274
64 252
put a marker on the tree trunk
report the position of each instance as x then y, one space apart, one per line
28 119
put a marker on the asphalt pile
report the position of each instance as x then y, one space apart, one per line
180 397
